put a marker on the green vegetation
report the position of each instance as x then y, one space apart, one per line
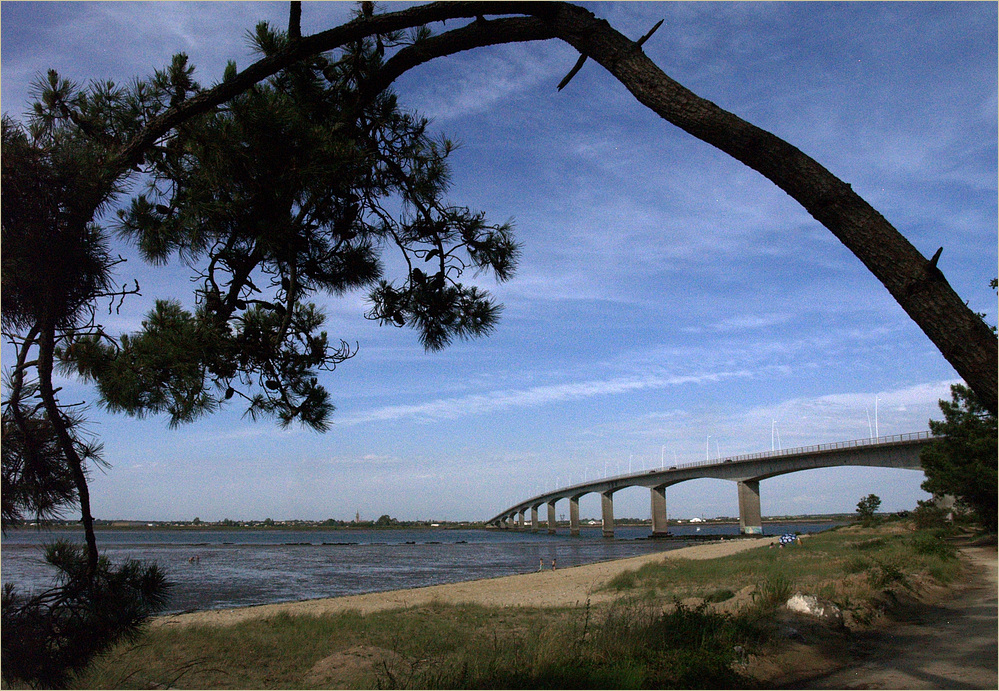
962 463
625 646
843 564
867 507
50 635
298 187
675 624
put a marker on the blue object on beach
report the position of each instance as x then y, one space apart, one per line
788 538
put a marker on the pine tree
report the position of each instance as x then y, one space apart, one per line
962 461
56 267
283 193
294 188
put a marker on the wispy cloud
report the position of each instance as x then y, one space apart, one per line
477 404
743 322
474 84
650 260
810 420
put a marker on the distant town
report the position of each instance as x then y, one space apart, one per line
388 523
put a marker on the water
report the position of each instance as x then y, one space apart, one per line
248 567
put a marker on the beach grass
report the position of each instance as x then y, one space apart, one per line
629 645
850 563
674 623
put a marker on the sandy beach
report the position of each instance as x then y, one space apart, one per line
562 587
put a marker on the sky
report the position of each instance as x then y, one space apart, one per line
670 303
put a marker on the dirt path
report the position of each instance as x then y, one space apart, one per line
950 645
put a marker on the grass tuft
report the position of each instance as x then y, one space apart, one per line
773 591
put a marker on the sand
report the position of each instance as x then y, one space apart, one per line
563 587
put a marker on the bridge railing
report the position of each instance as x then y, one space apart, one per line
815 448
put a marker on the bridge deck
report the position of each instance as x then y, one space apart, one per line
900 451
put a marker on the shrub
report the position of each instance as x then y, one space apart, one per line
887 573
624 581
932 545
696 648
872 544
856 564
928 515
49 636
773 591
867 507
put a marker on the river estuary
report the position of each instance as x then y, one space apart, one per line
239 567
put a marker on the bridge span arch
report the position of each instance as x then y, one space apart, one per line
747 471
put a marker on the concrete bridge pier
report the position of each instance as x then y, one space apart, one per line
607 512
551 517
520 519
750 518
573 516
659 526
534 519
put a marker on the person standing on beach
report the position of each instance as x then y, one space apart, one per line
553 563
541 564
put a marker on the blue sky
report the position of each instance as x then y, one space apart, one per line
666 294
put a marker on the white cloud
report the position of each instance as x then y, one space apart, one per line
797 422
648 254
749 321
465 85
477 404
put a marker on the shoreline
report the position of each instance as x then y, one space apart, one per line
313 527
561 588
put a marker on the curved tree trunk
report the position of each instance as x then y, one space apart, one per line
919 287
915 282
46 358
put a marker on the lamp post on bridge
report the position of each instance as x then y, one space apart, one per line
877 432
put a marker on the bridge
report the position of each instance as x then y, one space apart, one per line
898 451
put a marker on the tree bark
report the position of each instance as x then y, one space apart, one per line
916 284
46 358
921 289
